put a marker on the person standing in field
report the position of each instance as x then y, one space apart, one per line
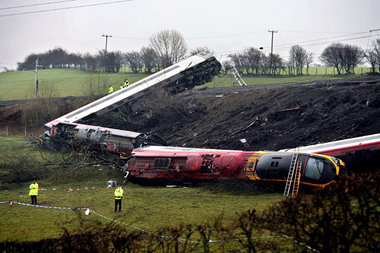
125 83
33 192
110 89
118 197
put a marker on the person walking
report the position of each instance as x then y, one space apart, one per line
118 197
33 192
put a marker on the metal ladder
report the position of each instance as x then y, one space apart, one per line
292 168
297 179
237 76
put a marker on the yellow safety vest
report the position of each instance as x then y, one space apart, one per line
119 193
33 189
125 84
121 86
110 90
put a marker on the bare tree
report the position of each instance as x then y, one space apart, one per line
278 64
90 63
371 58
169 45
149 58
134 60
297 59
332 56
255 59
342 57
376 49
309 61
352 57
237 61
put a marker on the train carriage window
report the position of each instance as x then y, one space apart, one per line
161 163
314 168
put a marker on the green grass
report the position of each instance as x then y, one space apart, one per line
70 82
67 82
148 208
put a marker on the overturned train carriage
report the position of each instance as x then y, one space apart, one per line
195 70
162 165
99 138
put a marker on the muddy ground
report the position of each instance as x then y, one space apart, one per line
261 117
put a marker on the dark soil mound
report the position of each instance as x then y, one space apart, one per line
262 117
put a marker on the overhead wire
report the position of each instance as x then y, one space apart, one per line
33 5
65 8
327 38
324 42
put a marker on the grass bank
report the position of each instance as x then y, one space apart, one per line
148 208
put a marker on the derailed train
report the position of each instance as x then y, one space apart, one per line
171 164
163 165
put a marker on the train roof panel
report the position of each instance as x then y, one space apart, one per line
342 146
164 151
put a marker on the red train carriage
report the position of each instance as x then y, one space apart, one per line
165 165
157 164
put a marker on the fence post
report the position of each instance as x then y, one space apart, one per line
6 130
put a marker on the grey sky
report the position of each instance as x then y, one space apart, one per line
223 26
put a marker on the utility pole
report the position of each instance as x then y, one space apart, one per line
36 86
105 35
271 49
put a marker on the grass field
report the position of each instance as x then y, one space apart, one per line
70 82
148 208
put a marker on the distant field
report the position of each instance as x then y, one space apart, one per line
69 82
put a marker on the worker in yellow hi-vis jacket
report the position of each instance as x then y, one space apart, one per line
33 192
118 197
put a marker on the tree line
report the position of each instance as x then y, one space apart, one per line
168 47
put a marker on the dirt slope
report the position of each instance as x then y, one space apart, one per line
268 117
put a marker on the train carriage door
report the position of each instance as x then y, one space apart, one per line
251 168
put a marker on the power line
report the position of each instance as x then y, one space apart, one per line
64 8
32 5
226 53
327 38
324 42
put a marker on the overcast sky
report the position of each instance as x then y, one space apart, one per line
223 26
